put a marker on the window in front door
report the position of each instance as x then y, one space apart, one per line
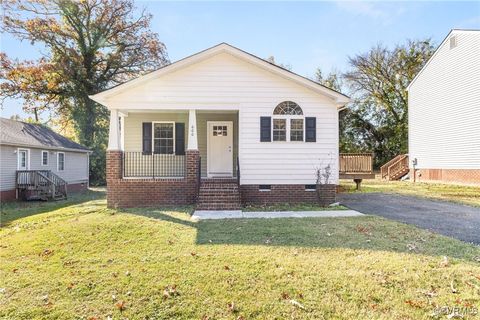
219 131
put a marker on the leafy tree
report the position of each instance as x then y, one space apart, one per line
378 117
90 45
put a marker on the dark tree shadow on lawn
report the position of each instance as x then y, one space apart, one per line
365 233
11 211
166 213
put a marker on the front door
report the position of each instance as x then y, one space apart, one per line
220 149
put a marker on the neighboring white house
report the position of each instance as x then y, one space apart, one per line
264 127
40 155
444 112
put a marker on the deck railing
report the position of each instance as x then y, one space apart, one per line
356 163
153 165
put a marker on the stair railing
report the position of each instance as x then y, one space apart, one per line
38 180
384 169
398 166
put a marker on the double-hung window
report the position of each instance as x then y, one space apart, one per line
163 137
60 161
44 158
288 122
279 130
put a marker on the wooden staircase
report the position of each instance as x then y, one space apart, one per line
219 194
396 168
40 185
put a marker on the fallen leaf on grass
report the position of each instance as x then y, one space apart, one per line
285 296
297 304
366 230
46 253
445 262
411 247
120 305
429 294
414 303
170 291
453 288
231 307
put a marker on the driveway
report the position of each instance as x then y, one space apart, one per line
450 219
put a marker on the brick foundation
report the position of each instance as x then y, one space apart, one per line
463 176
124 193
287 193
8 195
77 187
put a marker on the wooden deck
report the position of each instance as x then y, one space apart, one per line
40 185
356 166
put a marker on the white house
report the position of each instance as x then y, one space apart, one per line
444 112
38 162
220 127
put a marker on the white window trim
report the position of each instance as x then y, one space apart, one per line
58 161
27 162
288 118
153 137
41 158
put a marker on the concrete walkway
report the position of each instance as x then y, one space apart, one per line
238 214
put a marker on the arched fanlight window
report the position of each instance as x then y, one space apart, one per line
287 122
288 108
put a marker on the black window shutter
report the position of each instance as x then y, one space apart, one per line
147 137
310 129
265 129
179 138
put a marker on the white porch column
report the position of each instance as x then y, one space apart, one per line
192 130
114 132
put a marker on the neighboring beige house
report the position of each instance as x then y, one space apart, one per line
220 127
444 112
31 153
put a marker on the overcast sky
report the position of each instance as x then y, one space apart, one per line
305 35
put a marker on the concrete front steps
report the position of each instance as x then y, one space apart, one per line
219 194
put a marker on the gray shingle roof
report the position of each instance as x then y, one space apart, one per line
27 134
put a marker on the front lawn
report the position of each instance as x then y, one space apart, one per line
469 195
84 261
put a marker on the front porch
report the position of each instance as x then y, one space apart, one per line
154 143
158 157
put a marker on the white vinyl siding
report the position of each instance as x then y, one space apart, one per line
444 107
225 82
76 170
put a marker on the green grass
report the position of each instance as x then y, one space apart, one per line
290 207
84 261
469 195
